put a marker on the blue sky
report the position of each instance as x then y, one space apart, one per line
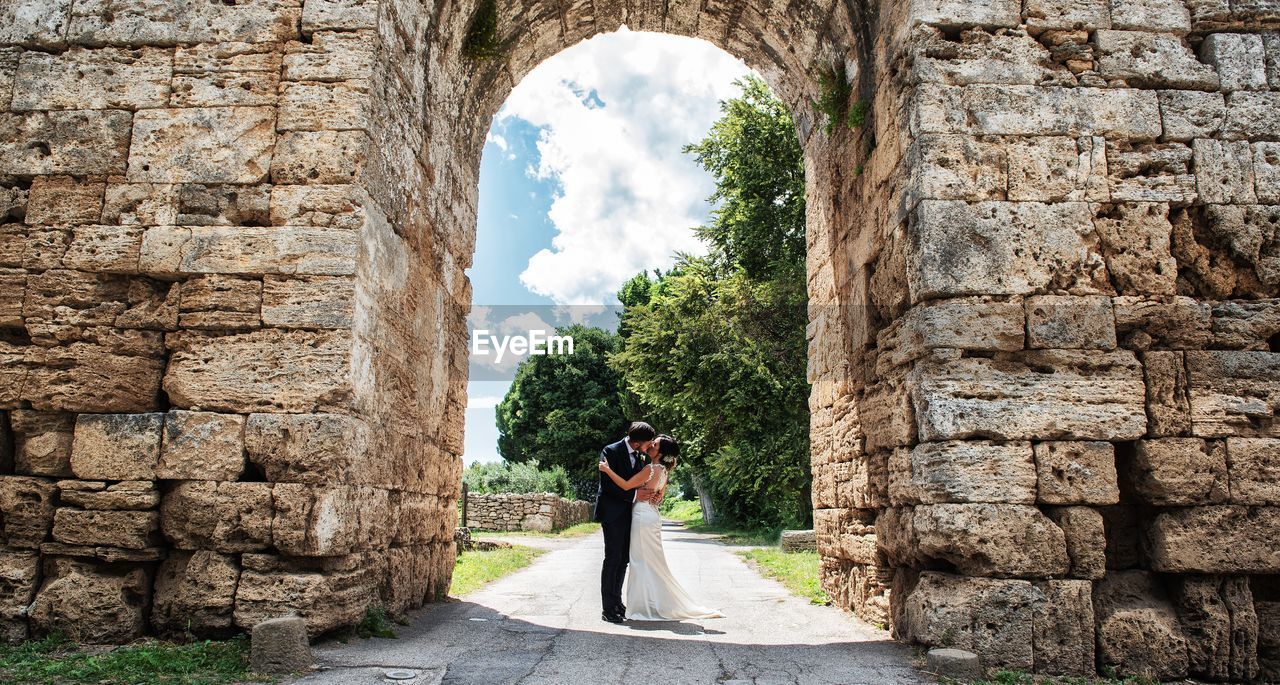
583 183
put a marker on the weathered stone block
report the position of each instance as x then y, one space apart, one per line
202 446
226 74
990 617
83 143
26 511
1058 169
42 443
220 302
1266 171
1138 631
1215 539
234 205
320 157
1071 322
1150 172
1085 532
1180 471
1253 466
1151 15
1218 619
128 529
322 106
274 370
331 57
340 206
90 377
19 579
963 471
1152 60
326 592
1189 114
1248 115
64 200
965 324
308 301
1125 113
91 604
991 539
1239 59
1234 393
1063 627
104 249
195 594
1043 395
1076 473
109 78
35 23
1071 14
956 167
134 204
248 250
1135 238
223 517
1174 323
313 521
998 248
202 145
959 13
129 495
151 22
319 15
116 446
1224 171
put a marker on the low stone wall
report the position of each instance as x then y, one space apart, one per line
539 511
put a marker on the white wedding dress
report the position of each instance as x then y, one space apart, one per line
653 594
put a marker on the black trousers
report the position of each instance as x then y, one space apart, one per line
617 548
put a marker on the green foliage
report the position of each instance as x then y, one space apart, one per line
481 41
475 569
858 114
834 92
374 623
518 478
561 409
715 348
57 661
798 571
753 152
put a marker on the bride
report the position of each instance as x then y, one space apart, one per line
653 594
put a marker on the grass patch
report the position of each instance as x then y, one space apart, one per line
574 531
1003 677
798 571
58 661
474 569
375 623
481 41
682 510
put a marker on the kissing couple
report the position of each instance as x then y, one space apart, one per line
633 480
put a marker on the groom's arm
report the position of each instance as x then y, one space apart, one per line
607 487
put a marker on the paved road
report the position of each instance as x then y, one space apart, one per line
542 626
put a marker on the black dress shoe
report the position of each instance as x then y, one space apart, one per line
611 617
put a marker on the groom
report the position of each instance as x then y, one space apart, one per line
613 510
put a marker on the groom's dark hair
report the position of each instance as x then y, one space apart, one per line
641 432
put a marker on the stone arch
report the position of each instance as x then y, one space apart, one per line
232 347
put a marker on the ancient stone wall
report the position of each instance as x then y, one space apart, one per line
1042 334
1053 443
542 512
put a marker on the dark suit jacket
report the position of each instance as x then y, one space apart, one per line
611 500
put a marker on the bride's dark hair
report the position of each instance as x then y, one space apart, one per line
668 451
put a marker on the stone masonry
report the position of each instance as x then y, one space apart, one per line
1045 333
542 512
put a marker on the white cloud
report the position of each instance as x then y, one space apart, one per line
628 196
483 401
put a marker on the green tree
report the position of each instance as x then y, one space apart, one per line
506 477
561 409
716 347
